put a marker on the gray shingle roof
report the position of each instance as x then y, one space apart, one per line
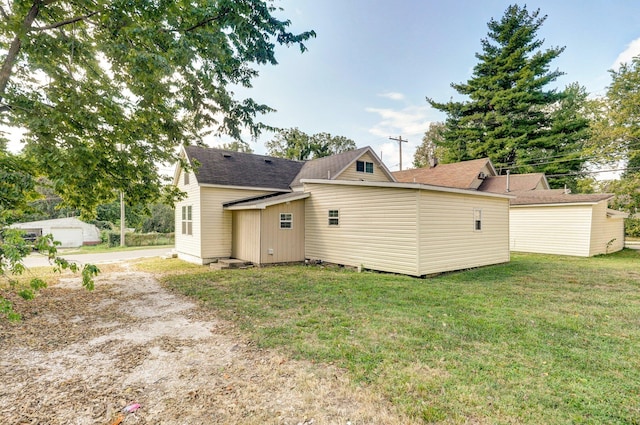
330 166
227 168
547 197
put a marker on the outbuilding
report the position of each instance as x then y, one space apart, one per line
70 231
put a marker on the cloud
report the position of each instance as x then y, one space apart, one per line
392 95
409 121
632 50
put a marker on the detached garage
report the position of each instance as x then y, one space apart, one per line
70 232
553 222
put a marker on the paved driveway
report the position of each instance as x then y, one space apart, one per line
38 260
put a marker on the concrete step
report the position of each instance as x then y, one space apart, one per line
230 263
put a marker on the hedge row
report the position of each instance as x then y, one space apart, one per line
140 239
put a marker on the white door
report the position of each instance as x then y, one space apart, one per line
69 237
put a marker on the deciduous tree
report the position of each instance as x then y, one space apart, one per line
295 144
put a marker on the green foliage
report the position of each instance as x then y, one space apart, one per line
510 117
108 89
295 144
13 249
161 220
632 227
141 239
428 154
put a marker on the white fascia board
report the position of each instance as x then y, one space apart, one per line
415 186
263 204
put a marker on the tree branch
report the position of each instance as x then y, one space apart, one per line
65 22
16 44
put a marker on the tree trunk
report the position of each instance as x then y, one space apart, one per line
16 44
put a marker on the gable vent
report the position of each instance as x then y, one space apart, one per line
482 176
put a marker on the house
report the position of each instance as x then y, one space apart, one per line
345 209
541 220
70 232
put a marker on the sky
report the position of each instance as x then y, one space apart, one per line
368 72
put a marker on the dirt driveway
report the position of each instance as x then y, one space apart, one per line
80 358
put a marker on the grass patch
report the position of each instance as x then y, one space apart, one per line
542 339
104 247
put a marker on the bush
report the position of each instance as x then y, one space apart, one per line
632 227
141 239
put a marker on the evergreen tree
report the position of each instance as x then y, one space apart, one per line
511 117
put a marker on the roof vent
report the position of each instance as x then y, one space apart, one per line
226 155
267 160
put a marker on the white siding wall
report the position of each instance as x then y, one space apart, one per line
563 230
188 246
211 235
216 223
377 227
604 230
448 239
351 174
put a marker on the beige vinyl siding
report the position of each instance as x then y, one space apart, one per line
448 239
377 227
604 230
246 235
350 173
286 245
188 246
216 223
553 229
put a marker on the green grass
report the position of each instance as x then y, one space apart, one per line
103 247
543 339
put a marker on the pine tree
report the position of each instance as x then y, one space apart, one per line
511 117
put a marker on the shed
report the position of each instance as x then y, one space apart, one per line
70 231
555 222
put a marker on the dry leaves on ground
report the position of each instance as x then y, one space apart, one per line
80 357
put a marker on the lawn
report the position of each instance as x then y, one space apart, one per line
543 339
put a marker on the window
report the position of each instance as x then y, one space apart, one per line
186 178
286 221
187 224
364 167
334 218
477 220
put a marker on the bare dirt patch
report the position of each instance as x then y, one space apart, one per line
80 357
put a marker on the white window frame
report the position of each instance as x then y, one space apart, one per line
477 220
367 167
187 220
286 219
333 218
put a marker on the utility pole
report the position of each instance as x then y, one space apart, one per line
400 142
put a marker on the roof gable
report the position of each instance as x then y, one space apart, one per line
331 167
220 167
461 175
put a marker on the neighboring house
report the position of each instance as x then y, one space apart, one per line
541 220
70 232
344 209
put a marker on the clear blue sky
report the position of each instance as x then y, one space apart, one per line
367 73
